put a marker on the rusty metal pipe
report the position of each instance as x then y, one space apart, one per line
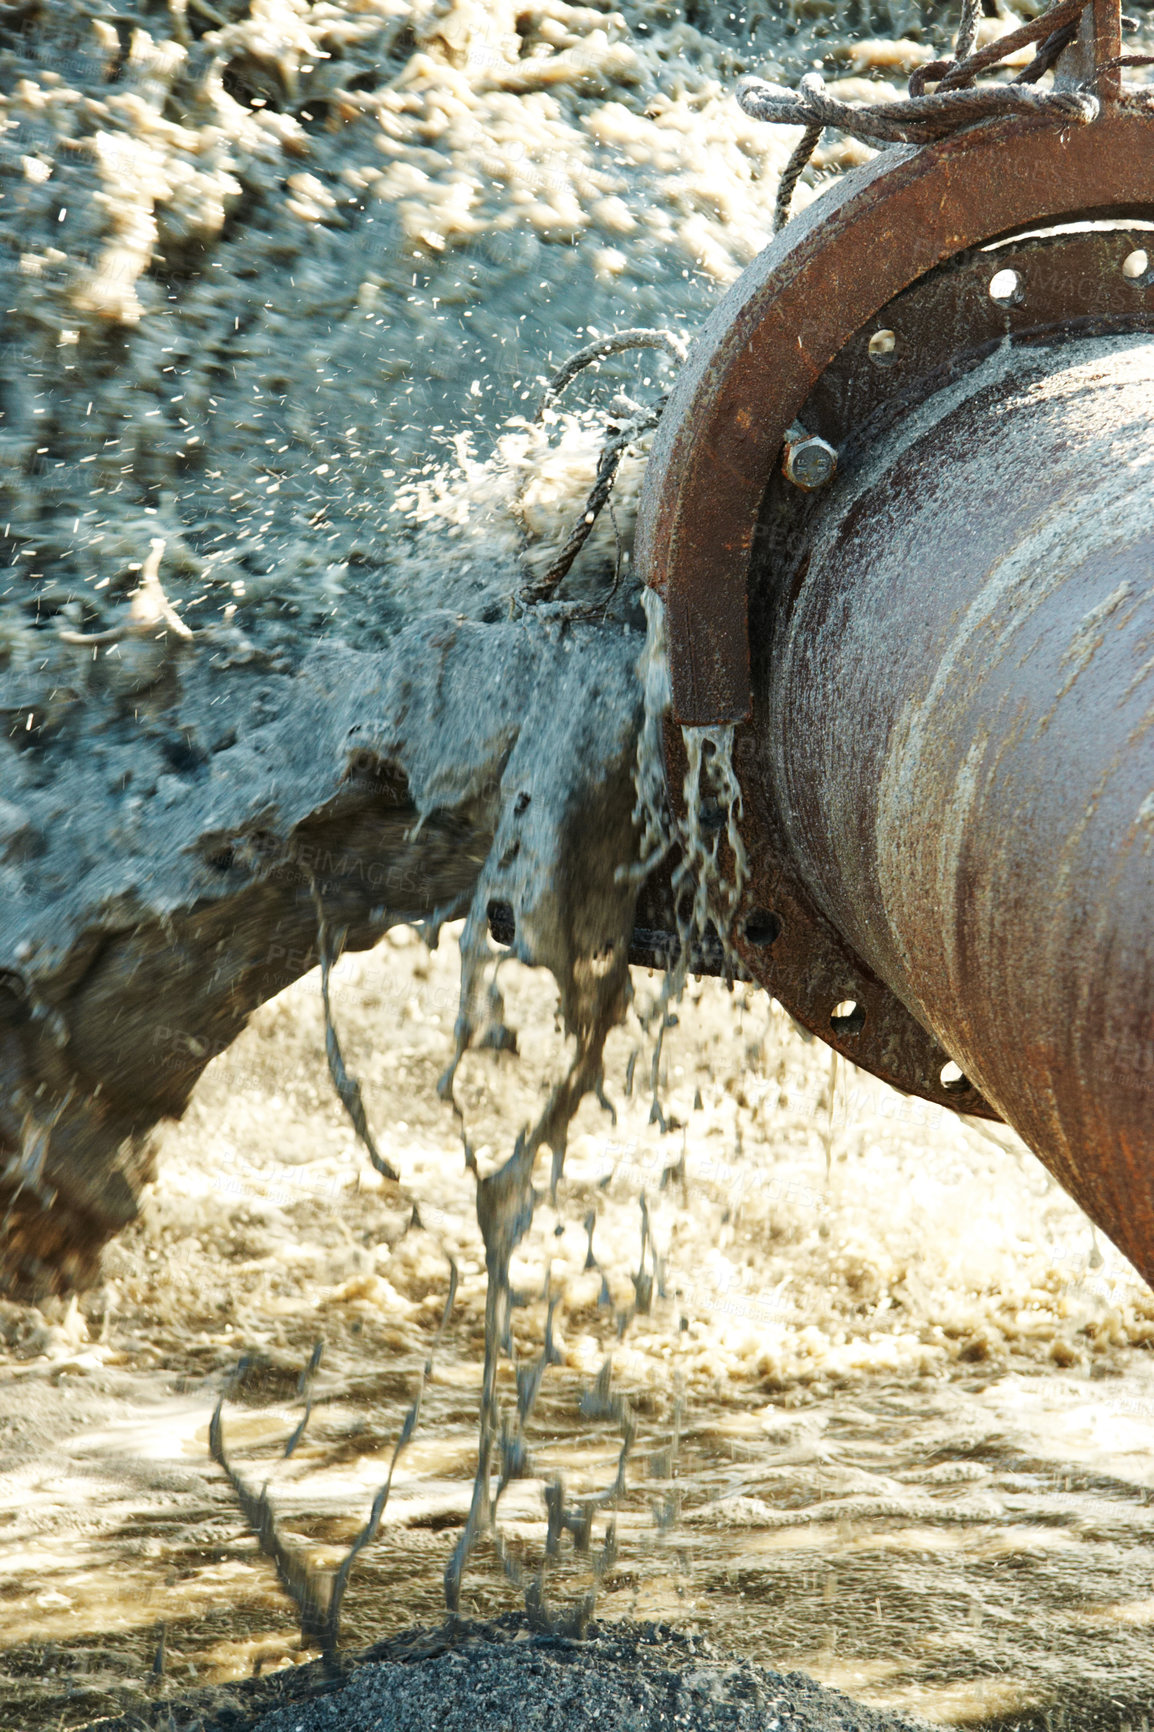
956 714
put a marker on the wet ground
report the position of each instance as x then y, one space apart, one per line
893 1405
475 1677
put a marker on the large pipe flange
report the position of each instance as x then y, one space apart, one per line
919 285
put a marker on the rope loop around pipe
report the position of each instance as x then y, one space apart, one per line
956 103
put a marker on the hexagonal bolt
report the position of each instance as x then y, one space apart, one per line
808 462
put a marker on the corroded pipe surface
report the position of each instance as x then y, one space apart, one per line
957 719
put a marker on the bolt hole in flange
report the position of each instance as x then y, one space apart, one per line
883 348
1136 268
952 1078
1006 288
762 927
848 1017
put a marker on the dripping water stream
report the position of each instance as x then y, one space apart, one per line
735 1366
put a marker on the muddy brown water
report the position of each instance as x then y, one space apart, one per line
894 1410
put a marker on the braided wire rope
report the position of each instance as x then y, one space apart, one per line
918 118
955 103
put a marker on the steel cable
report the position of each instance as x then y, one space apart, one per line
920 118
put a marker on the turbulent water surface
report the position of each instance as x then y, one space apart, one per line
893 1409
283 280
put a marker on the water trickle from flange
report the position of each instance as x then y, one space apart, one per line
578 924
710 866
564 827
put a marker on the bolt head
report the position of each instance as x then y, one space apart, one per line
809 462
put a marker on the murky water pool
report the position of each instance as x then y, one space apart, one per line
892 1408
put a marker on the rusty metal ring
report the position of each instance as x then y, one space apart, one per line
908 245
793 310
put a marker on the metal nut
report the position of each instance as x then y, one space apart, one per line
809 461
